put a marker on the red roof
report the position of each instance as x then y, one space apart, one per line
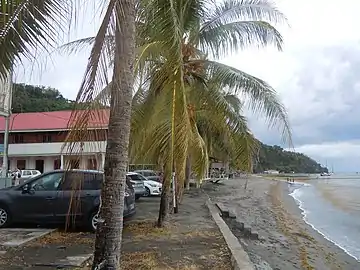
50 120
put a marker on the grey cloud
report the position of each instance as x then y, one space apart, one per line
322 98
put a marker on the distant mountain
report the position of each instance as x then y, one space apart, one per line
276 158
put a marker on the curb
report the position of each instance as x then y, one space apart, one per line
239 258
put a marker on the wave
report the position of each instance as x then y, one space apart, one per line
296 194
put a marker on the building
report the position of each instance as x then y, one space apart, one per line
36 141
271 172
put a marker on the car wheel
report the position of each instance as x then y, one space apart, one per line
4 217
147 192
93 221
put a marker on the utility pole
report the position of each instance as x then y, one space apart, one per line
6 112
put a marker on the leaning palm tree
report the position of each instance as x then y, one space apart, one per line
206 29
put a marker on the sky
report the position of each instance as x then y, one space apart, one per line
317 77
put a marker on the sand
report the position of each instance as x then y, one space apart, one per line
287 242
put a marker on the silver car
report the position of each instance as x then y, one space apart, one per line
138 184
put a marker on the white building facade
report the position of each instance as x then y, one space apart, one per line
36 141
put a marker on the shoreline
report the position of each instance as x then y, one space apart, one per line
316 230
288 241
293 206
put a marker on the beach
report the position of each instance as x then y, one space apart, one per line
286 240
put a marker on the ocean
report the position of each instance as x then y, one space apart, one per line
331 206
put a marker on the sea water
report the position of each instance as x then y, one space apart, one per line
331 205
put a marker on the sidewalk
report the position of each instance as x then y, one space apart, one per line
190 241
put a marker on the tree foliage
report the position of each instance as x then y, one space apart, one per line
30 98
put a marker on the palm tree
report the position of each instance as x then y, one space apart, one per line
204 29
173 40
119 22
25 25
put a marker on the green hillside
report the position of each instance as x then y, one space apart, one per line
29 98
276 158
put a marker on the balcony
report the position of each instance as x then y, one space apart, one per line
49 149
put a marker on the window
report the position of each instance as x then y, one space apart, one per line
92 181
47 182
92 164
47 138
137 177
74 164
34 172
148 173
26 173
82 181
57 163
18 138
21 164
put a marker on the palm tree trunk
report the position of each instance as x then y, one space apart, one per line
188 173
164 201
109 233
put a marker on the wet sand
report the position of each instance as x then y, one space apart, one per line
287 241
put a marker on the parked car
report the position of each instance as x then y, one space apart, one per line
26 174
150 175
45 199
152 188
137 183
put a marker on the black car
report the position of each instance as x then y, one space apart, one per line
45 199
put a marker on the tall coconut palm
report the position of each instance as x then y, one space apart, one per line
26 24
119 22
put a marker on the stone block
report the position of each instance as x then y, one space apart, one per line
254 235
232 214
241 225
247 231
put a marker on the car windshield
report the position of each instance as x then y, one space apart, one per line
150 173
137 177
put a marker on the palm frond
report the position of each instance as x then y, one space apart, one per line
29 25
234 10
231 37
76 46
96 77
261 96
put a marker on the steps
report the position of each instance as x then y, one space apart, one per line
227 213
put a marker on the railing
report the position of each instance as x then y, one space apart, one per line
28 149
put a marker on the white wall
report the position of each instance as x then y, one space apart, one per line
45 149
